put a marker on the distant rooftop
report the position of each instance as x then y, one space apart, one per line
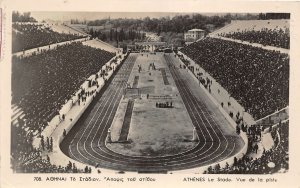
196 30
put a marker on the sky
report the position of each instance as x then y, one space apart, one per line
66 16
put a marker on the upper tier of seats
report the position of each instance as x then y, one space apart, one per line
31 35
63 28
96 43
256 25
266 32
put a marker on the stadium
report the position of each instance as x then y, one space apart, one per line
187 94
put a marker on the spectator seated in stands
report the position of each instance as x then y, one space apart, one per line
257 78
42 83
26 159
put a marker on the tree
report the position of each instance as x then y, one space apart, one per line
235 161
43 143
48 143
91 32
15 16
51 143
238 130
74 168
25 17
116 35
262 16
217 167
103 37
69 166
122 35
86 169
111 34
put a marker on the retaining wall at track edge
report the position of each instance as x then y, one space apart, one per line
242 134
57 157
266 130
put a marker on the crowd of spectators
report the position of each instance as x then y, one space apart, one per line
266 37
42 83
257 78
41 165
274 160
28 36
34 162
27 159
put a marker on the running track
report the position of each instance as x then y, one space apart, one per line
86 141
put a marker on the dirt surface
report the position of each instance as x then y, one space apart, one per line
154 131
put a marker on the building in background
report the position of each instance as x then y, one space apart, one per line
193 35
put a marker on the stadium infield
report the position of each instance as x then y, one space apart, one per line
86 141
154 131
